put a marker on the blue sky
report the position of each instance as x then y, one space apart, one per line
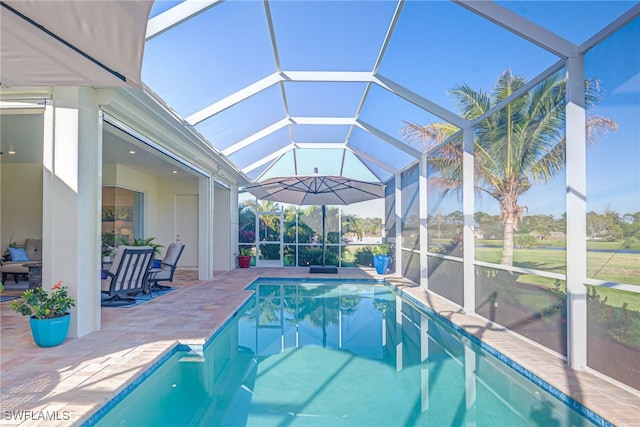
435 46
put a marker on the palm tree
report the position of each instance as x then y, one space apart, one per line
520 145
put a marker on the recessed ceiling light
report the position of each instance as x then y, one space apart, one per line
132 151
174 171
11 152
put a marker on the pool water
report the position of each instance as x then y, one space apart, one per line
337 353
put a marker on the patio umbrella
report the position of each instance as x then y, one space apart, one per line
317 189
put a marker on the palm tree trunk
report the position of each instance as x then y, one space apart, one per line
511 213
507 246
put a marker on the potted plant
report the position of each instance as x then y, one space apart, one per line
107 251
244 256
381 257
48 312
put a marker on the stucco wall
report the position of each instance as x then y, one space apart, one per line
20 202
168 188
160 195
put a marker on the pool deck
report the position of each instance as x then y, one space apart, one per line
74 380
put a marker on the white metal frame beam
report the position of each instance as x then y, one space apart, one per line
272 35
576 202
326 76
420 101
374 160
315 145
389 139
256 136
524 28
341 121
233 99
521 91
270 158
282 77
622 20
387 37
468 231
177 15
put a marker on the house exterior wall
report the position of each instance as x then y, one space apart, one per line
132 179
63 204
168 188
20 202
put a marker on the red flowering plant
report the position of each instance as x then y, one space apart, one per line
41 304
246 236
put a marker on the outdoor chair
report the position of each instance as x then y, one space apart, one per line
11 265
128 275
167 268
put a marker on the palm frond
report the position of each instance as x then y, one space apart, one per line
425 137
470 103
598 127
549 164
506 85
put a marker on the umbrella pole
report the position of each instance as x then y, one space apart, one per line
323 268
324 215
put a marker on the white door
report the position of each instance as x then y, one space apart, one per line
187 228
269 239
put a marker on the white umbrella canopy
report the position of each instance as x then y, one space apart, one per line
316 190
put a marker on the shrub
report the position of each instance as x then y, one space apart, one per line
525 241
363 256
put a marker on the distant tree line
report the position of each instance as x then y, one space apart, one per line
609 226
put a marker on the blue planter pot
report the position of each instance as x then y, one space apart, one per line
50 332
381 263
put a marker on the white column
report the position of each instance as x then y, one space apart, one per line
223 250
468 180
424 242
398 222
206 218
576 215
233 231
47 194
72 205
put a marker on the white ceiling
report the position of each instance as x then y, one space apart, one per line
22 132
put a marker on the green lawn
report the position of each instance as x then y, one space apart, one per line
623 268
612 246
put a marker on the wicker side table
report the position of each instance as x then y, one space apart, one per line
35 274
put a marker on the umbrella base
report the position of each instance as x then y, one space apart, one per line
330 269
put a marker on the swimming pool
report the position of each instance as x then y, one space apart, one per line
338 353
